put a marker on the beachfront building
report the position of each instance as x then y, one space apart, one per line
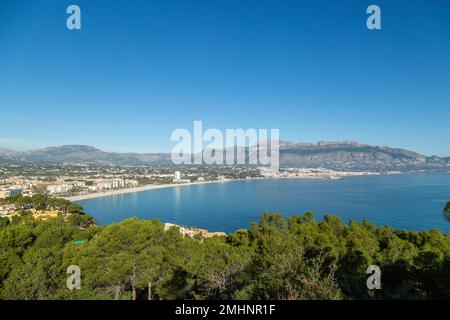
59 188
106 184
177 177
268 172
132 183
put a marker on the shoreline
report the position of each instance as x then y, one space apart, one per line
135 189
110 193
116 192
195 226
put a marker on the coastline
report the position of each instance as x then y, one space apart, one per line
135 189
115 192
109 193
199 225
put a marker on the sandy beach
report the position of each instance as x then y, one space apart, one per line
173 185
136 189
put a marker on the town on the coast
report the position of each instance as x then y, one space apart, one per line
77 182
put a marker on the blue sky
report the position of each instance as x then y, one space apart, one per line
140 69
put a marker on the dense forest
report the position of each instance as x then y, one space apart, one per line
297 258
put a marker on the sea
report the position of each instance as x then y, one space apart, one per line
405 201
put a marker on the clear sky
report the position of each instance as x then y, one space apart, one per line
137 70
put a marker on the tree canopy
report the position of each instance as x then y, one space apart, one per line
297 258
447 211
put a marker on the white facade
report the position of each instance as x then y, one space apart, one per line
110 184
59 188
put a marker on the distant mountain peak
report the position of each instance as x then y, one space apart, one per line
321 143
343 142
74 147
340 155
5 152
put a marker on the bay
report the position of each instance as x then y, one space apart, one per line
406 201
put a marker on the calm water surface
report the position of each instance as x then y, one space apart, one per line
409 201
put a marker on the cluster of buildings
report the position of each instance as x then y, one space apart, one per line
16 187
73 180
108 184
308 173
91 186
177 178
192 232
59 188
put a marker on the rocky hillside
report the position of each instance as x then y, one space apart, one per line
346 155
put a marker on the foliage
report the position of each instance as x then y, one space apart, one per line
4 222
43 202
298 258
446 211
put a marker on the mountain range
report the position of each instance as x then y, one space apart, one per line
344 155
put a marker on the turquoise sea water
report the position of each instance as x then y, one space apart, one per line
408 201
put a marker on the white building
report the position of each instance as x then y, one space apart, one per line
177 177
59 188
184 231
132 183
110 184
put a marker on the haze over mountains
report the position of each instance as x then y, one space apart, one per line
345 155
83 154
